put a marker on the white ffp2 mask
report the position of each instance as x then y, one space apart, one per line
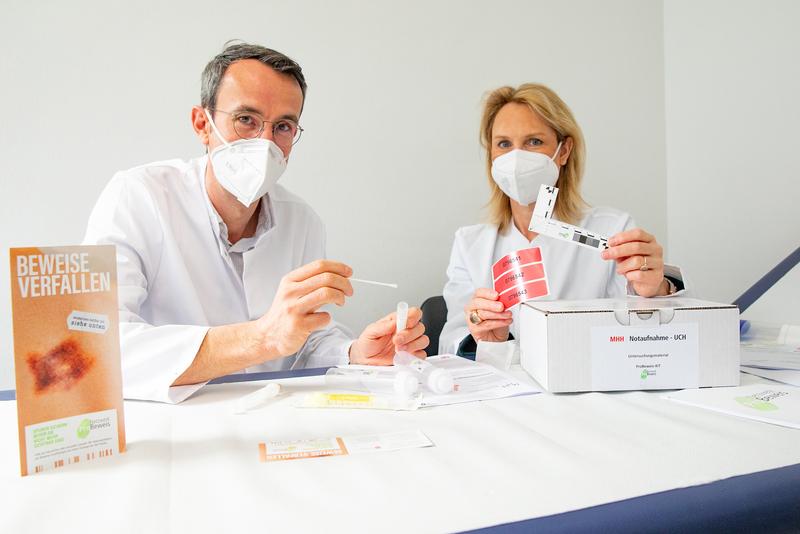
520 173
247 168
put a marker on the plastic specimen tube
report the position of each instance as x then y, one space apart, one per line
398 382
402 316
436 379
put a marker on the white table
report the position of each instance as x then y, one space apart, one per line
194 467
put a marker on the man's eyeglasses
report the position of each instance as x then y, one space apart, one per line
250 125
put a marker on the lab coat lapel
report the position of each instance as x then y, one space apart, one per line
481 256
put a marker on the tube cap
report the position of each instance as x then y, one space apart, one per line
440 381
405 384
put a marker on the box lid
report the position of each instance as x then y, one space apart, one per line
630 303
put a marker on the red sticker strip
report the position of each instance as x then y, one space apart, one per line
519 276
515 295
515 259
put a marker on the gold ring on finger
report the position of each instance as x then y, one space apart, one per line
474 318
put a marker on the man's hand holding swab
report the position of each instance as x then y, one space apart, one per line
380 341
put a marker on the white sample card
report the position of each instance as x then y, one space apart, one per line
389 441
777 405
634 357
273 451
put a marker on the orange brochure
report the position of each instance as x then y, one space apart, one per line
66 355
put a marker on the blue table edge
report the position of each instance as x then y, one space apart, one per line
765 501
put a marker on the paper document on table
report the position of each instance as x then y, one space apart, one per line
475 381
777 405
787 376
273 451
774 357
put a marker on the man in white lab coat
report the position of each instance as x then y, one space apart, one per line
220 268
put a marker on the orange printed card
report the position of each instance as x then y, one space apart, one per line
66 355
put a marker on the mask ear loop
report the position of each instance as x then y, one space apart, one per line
214 127
554 155
558 148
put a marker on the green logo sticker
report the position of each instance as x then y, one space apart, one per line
644 374
83 428
757 404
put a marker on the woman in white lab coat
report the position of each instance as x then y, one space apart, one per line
531 138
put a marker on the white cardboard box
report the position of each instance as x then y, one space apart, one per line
629 344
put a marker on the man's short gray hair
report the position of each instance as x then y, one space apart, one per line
236 51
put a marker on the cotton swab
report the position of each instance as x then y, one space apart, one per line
384 284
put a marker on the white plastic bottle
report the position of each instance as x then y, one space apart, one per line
401 383
436 379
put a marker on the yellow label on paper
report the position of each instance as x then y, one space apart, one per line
348 397
361 401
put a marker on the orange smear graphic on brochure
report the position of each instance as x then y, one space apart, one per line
61 367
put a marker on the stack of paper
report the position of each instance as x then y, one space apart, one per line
780 362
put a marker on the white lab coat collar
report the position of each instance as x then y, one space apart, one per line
266 214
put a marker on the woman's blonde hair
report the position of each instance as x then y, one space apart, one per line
545 102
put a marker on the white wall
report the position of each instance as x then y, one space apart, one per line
391 118
732 113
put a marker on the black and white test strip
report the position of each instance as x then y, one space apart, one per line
542 222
